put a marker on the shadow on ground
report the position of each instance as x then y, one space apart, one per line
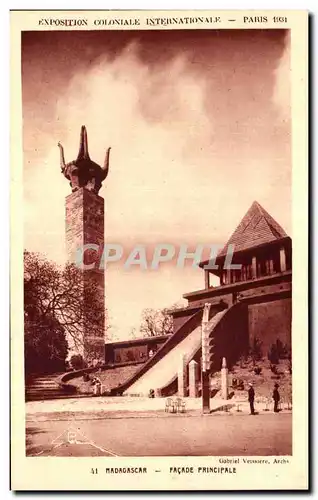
32 449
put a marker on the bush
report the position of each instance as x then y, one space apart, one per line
279 351
255 351
274 369
257 370
77 362
273 354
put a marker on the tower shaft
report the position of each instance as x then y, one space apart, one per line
85 226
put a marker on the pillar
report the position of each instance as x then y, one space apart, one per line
224 277
282 257
193 379
224 380
205 379
229 277
182 377
205 390
249 272
244 273
254 268
271 266
267 267
207 279
84 220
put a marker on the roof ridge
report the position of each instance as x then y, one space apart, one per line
244 238
273 224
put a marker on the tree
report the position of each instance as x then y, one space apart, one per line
155 322
133 333
65 294
45 346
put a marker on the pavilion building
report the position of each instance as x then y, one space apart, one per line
251 302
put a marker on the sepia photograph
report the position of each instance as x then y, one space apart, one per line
158 217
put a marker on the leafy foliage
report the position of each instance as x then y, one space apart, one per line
255 351
65 296
156 322
279 351
45 347
77 362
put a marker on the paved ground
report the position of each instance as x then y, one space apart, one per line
108 405
175 435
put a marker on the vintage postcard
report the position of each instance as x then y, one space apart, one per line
159 265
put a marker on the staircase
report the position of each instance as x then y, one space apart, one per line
44 387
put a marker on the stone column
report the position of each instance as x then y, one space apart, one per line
193 379
207 279
182 377
282 257
254 268
84 220
224 380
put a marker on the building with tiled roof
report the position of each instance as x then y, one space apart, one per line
250 305
261 251
257 228
259 245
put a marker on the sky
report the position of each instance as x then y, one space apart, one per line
199 126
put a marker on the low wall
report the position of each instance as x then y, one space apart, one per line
70 388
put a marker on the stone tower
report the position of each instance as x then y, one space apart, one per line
85 226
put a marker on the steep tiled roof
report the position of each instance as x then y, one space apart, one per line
256 228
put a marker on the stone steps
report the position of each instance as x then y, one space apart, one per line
41 388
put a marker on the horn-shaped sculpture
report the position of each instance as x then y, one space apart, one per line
62 159
83 147
105 167
83 172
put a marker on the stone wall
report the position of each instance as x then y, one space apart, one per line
231 337
136 350
179 321
269 321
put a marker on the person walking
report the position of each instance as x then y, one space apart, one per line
276 398
251 396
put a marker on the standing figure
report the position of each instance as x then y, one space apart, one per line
251 396
276 398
